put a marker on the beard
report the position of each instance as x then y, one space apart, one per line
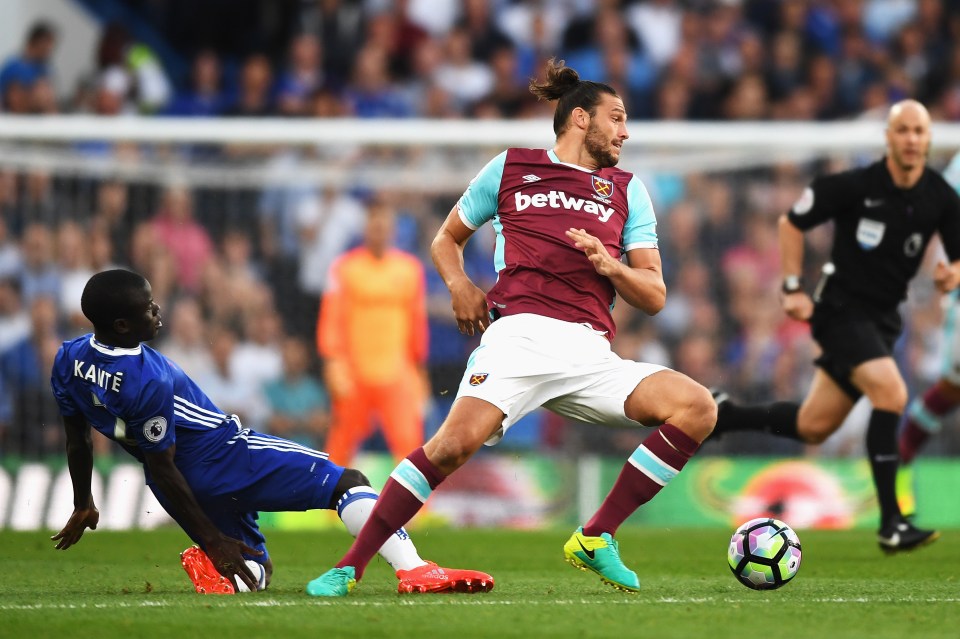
597 146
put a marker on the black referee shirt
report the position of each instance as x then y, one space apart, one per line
881 231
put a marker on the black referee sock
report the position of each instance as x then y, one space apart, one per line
884 460
779 418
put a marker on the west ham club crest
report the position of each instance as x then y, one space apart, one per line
478 378
602 186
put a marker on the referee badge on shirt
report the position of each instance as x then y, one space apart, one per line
478 378
602 187
154 429
870 233
911 248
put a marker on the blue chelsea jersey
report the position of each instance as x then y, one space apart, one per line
141 399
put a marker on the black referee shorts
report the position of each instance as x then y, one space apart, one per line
850 335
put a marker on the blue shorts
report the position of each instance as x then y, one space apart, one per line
261 473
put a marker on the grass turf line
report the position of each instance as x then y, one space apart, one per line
120 584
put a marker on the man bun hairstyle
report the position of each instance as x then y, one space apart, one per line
107 297
564 85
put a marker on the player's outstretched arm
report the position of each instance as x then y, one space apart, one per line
80 464
468 300
225 552
639 282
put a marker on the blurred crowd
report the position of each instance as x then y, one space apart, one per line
240 271
686 59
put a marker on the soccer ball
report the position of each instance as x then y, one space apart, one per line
764 554
259 571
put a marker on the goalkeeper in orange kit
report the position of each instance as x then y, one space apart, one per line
372 338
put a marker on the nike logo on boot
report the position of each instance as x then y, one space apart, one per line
589 553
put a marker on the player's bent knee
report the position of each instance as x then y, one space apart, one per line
891 396
700 415
893 403
704 405
450 453
351 478
697 414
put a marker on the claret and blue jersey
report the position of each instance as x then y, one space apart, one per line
532 198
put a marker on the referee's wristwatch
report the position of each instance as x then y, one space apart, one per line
791 284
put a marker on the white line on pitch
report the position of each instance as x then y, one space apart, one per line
445 601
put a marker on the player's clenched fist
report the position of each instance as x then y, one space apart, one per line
798 305
469 304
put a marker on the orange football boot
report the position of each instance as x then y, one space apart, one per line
432 578
206 579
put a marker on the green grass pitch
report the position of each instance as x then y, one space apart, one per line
130 584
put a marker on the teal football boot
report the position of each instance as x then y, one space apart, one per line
602 556
336 582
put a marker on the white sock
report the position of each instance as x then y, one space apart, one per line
354 508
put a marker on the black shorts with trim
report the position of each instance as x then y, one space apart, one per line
849 335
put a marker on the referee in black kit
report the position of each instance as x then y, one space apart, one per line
885 215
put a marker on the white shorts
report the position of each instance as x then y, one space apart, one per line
526 361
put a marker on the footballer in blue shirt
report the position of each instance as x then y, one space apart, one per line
210 473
